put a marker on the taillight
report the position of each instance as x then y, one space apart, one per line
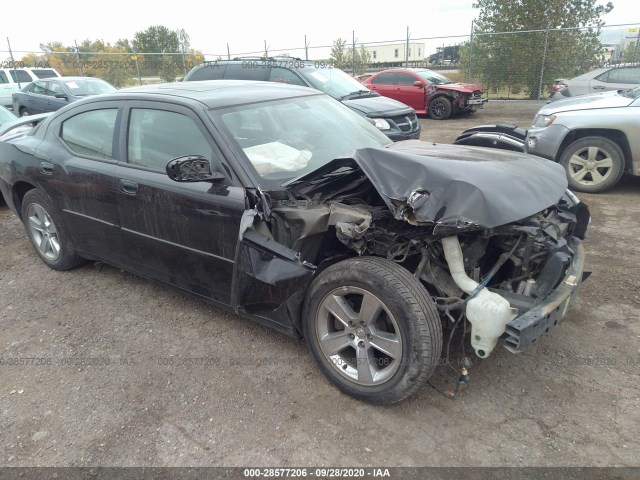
558 87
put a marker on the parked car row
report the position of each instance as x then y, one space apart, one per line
12 80
395 119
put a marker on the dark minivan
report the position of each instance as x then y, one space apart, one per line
395 119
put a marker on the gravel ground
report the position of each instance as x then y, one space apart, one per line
143 375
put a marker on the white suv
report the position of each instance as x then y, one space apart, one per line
13 80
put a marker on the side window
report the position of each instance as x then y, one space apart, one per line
54 88
157 136
625 75
20 76
284 75
388 78
37 87
251 70
405 80
210 71
91 133
3 78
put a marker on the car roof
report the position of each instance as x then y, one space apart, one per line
215 93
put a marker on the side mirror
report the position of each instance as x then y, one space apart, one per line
192 168
418 84
62 95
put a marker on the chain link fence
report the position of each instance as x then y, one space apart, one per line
510 65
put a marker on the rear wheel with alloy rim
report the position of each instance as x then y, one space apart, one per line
373 329
47 233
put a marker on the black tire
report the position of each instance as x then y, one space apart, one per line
24 112
407 325
440 108
45 230
581 161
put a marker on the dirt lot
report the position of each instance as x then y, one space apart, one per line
120 390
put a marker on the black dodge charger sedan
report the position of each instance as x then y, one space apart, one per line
281 204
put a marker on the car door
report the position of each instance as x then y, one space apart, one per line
384 84
57 96
616 79
184 234
77 164
34 98
408 93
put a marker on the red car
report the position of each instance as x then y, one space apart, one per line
428 92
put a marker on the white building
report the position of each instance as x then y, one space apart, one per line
396 53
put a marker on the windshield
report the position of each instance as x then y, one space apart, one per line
433 77
90 86
285 139
332 81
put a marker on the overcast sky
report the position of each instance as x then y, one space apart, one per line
246 24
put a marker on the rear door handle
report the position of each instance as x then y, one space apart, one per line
599 87
128 187
46 168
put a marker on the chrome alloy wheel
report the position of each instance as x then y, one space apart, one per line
359 336
43 232
590 166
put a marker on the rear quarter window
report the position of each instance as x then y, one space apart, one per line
246 71
20 76
385 79
213 71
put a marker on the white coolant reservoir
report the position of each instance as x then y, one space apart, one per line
487 311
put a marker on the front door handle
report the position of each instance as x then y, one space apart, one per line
599 87
128 187
46 168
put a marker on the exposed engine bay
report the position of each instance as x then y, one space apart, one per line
484 249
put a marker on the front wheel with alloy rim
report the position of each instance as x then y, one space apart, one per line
47 233
440 108
593 164
373 329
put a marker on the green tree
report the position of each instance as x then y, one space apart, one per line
153 41
516 59
339 56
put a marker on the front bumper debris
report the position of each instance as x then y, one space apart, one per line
527 328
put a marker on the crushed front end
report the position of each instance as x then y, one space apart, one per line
494 236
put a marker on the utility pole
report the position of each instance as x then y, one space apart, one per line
406 51
470 52
135 58
13 62
544 57
228 53
78 58
266 49
353 52
306 48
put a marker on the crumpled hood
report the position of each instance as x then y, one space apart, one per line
456 187
378 106
586 102
460 87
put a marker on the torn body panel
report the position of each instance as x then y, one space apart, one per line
517 239
449 188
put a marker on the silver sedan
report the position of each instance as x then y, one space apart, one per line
595 81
